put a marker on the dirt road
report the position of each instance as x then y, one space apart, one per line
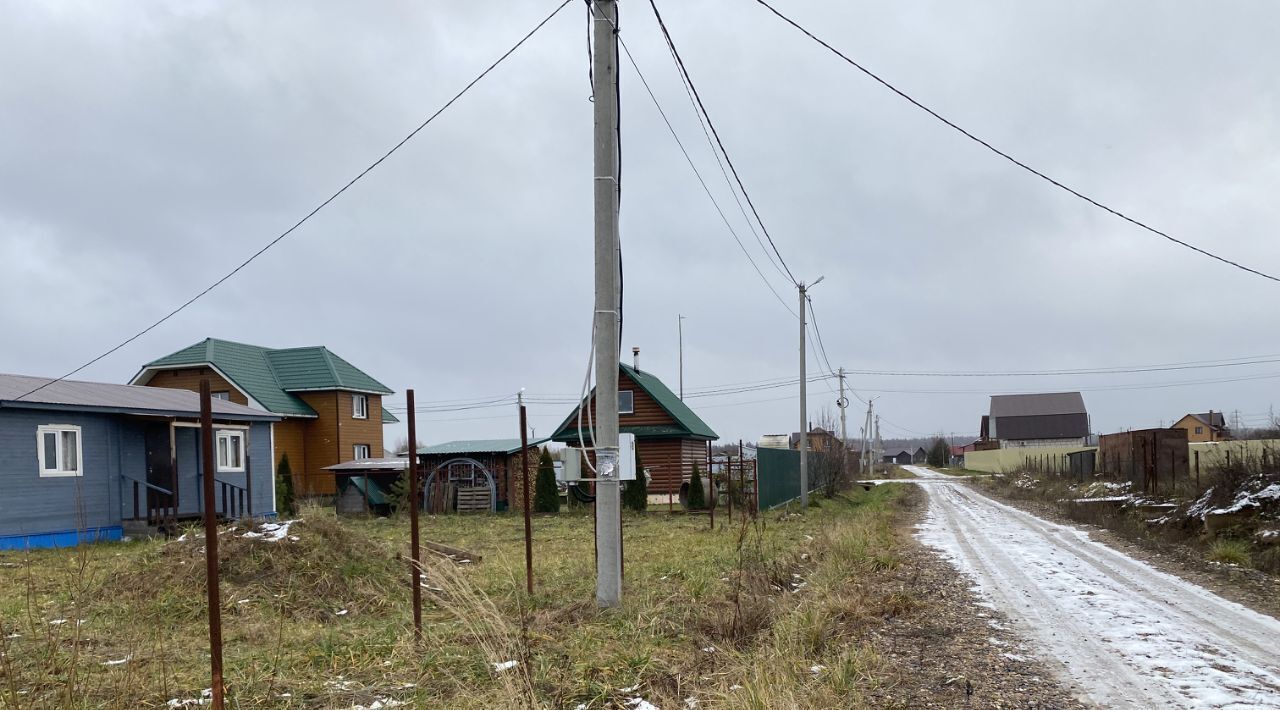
1125 634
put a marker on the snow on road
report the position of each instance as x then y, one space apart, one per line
1127 634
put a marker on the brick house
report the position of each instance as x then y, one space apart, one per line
1210 426
670 438
331 412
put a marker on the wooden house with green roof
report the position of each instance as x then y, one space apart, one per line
670 438
331 410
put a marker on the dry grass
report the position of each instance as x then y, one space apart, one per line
325 621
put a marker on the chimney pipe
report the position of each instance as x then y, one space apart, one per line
635 355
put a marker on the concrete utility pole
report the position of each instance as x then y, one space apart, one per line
680 325
604 16
843 404
804 398
878 450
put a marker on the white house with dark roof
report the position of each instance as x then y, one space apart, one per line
1040 419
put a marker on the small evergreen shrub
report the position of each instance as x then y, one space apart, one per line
546 496
284 487
697 498
635 496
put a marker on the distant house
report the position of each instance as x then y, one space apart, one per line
920 456
81 461
902 457
819 440
774 441
670 438
1210 426
476 475
331 411
1046 419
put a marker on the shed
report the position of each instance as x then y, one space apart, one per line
475 475
1152 459
902 457
363 485
82 461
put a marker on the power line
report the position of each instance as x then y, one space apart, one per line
1112 388
698 174
684 72
319 207
1196 365
1007 156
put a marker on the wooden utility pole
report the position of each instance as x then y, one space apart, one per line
211 546
604 16
524 468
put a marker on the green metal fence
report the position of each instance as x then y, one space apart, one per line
778 472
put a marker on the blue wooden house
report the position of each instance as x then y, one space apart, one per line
86 460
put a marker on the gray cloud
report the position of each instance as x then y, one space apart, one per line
145 151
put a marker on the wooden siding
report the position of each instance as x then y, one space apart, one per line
331 437
188 378
291 439
647 411
322 443
353 431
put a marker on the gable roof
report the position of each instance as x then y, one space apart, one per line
1219 421
74 395
477 446
685 424
272 377
1036 405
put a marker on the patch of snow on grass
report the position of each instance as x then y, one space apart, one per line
119 661
504 666
274 532
640 703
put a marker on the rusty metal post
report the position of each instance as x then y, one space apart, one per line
414 541
211 546
528 525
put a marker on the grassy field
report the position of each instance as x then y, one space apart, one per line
736 617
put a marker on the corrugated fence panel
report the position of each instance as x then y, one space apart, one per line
779 475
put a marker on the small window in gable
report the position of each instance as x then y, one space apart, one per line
58 450
223 395
1199 430
230 451
359 406
626 402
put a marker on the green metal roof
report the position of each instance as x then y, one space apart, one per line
272 376
477 446
685 424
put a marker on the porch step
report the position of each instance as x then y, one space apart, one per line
139 530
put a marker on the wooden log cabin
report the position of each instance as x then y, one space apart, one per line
670 438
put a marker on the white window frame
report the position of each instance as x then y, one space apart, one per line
359 406
229 435
224 395
355 451
632 408
60 470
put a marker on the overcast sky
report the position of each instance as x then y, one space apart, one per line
147 148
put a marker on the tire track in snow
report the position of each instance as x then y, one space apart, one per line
1128 634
